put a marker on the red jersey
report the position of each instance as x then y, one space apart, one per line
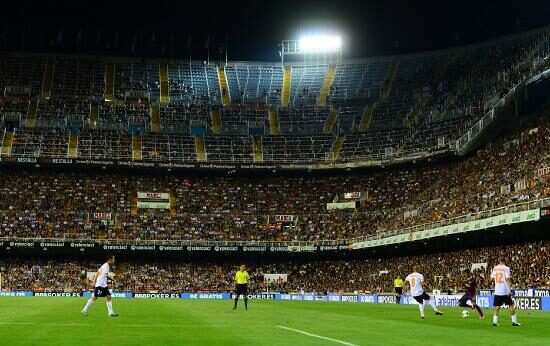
471 286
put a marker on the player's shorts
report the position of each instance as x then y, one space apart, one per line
399 290
503 300
421 298
242 289
101 292
464 299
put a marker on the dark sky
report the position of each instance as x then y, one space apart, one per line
254 29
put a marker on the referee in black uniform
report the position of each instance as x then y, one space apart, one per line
241 281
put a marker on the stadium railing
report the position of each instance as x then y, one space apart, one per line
540 203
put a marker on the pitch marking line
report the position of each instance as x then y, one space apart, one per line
318 336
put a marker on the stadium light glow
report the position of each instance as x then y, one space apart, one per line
320 43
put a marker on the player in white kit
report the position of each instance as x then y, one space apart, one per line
503 292
101 288
415 281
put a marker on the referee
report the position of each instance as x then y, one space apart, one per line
241 281
398 286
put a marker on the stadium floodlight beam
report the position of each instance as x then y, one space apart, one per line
326 46
320 44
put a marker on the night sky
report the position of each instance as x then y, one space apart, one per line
254 29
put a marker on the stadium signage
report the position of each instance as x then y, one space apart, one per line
521 293
304 248
82 245
58 294
115 247
278 249
541 292
143 247
153 195
176 165
352 195
52 245
334 298
103 216
113 294
284 218
167 247
199 248
16 294
170 248
386 299
96 162
64 161
506 219
353 298
448 300
27 160
16 90
367 298
254 248
205 296
156 295
21 244
260 296
329 247
527 303
226 248
341 205
144 164
483 302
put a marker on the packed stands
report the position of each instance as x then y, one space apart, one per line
530 264
238 208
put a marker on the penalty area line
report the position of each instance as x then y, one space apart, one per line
317 336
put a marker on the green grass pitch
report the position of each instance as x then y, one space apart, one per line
57 321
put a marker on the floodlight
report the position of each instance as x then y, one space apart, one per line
320 43
316 46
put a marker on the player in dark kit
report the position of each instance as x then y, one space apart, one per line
470 294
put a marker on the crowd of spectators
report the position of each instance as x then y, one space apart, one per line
529 262
44 204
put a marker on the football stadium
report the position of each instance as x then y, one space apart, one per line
170 182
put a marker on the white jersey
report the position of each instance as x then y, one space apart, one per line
501 274
101 280
415 280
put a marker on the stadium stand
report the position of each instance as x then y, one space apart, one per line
415 104
238 208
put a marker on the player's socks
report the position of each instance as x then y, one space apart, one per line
432 304
88 304
515 320
246 303
421 307
235 305
478 310
110 308
495 320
